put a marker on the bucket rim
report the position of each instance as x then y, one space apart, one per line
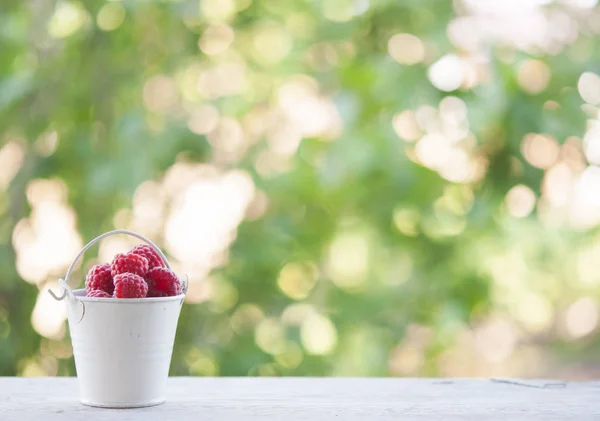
80 295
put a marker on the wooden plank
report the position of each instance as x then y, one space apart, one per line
317 399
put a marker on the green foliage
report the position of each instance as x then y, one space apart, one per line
391 262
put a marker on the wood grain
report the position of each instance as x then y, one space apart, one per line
317 399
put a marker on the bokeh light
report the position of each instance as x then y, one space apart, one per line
12 156
318 335
540 150
354 188
520 201
533 76
348 261
406 49
448 73
110 16
582 317
68 18
216 39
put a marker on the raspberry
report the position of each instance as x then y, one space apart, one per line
130 285
156 293
96 293
99 278
129 263
162 283
144 250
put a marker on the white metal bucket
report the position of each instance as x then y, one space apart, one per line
122 347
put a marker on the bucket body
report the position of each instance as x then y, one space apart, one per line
122 348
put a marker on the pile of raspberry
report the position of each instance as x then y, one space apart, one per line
138 273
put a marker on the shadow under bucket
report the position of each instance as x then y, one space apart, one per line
122 347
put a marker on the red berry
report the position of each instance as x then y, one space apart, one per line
162 283
129 263
96 293
144 250
99 278
156 293
130 285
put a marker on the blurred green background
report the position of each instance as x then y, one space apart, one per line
354 187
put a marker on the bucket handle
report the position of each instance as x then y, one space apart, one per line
64 284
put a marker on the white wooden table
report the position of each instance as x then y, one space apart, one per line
316 399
